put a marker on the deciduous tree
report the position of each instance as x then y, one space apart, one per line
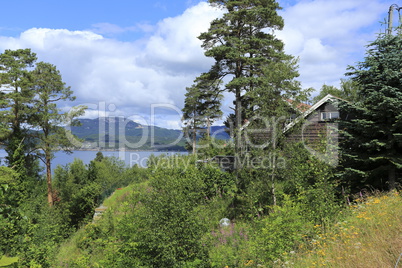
348 91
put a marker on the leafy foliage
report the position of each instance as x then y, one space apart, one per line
349 90
80 189
11 220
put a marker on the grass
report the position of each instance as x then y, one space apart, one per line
370 236
8 261
118 195
71 252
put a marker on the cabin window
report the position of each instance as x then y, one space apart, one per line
329 115
290 119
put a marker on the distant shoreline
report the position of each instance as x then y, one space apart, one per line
128 150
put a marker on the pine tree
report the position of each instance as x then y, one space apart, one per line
210 98
372 149
16 95
201 107
47 117
251 58
192 114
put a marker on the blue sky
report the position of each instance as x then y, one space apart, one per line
132 58
81 15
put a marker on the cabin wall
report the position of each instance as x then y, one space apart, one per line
314 131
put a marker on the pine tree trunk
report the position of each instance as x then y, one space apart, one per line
208 128
237 128
49 179
194 139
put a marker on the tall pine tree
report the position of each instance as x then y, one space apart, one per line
251 58
16 96
47 118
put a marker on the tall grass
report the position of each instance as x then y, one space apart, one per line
120 195
370 236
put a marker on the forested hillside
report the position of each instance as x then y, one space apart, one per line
117 132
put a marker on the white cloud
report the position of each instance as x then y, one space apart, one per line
175 45
329 35
315 52
130 75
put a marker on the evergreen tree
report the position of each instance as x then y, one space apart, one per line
251 58
201 107
372 152
47 117
15 98
211 98
191 114
3 125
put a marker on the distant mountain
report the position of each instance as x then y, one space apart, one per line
118 132
220 132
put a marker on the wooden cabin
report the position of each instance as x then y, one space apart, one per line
313 125
316 123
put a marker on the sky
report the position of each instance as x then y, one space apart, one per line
135 58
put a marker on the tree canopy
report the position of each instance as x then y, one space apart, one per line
32 121
201 107
16 95
373 144
348 91
250 60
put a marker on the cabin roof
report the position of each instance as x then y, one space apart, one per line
302 107
310 110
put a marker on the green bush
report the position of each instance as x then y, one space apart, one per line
280 233
168 217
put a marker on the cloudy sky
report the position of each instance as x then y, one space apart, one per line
135 58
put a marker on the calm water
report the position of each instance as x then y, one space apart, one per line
130 158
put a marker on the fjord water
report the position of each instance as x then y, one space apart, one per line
130 158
